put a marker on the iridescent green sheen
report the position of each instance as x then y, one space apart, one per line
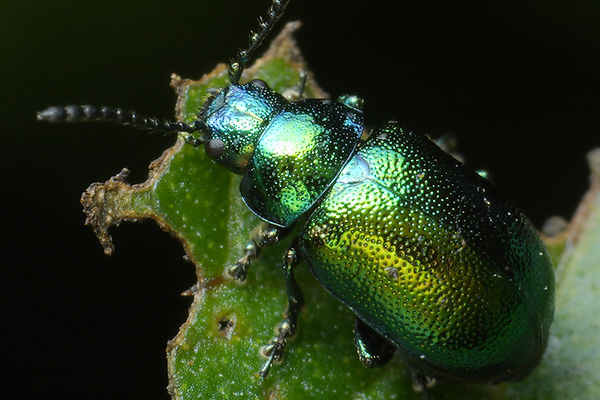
426 252
237 116
298 156
431 256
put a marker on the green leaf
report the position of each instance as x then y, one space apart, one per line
216 352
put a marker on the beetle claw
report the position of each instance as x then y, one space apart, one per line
422 383
274 353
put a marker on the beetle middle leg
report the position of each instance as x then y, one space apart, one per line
287 328
373 349
264 235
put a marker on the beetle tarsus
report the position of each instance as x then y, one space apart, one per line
266 235
274 353
422 383
287 328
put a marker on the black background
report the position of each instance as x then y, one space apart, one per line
516 82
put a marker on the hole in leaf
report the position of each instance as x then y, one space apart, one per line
226 326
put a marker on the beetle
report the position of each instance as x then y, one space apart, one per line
435 262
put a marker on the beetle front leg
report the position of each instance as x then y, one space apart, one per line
264 235
287 328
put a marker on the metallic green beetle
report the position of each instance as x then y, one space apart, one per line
432 257
434 261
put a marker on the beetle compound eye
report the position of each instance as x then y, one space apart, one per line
215 148
259 83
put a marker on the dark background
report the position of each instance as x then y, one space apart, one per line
516 82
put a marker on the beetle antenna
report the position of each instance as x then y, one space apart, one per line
238 64
81 113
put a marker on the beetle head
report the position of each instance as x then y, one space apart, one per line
234 119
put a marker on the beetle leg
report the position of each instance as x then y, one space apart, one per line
297 92
449 144
302 83
264 235
373 349
422 383
287 328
